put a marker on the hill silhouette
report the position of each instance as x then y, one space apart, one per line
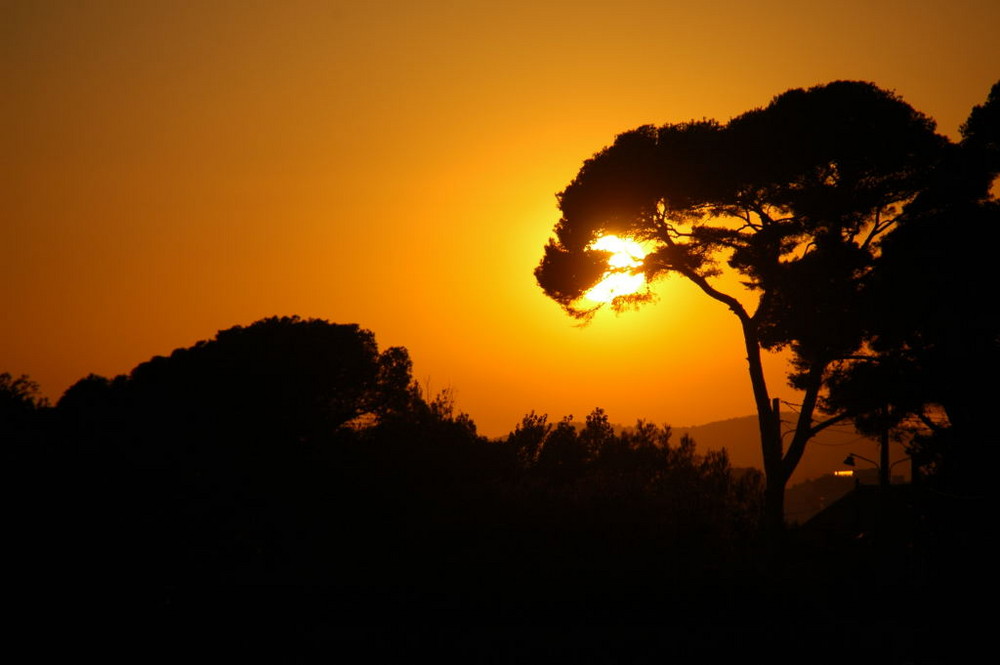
824 454
289 479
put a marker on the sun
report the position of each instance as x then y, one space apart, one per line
621 278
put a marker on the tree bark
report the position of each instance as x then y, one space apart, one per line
769 424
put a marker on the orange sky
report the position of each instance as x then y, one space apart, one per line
170 169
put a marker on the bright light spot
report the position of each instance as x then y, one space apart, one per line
848 472
615 284
619 280
626 253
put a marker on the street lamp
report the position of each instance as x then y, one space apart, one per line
883 478
850 460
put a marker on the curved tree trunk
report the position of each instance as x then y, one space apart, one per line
768 419
769 424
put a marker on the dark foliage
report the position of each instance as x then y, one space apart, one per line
839 207
23 416
293 450
933 331
197 517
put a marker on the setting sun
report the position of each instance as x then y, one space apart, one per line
621 278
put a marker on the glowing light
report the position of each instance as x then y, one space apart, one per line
626 253
615 284
848 473
621 278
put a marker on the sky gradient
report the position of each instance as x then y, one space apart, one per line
171 169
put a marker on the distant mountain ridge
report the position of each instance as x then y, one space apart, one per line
824 454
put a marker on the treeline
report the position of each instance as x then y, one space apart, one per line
288 482
295 451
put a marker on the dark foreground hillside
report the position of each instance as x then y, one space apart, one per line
283 493
380 552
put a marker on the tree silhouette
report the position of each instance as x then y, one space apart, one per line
795 197
18 397
22 411
527 438
235 462
563 455
926 340
278 381
211 462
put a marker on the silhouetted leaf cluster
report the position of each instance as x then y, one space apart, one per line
860 232
930 325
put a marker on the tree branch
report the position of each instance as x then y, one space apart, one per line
878 228
926 420
730 301
839 418
804 427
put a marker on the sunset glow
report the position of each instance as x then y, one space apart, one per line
621 279
384 329
174 169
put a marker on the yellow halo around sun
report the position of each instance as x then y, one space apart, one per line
620 278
